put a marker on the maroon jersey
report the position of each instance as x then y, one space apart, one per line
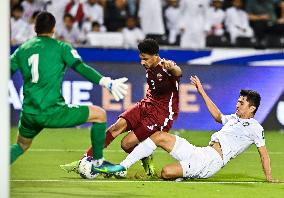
158 110
162 89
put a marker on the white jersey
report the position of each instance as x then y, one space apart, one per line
237 135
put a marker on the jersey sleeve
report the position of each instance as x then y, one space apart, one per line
258 136
14 64
70 55
226 118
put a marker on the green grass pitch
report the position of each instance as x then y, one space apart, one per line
37 172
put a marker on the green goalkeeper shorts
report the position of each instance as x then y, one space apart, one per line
64 116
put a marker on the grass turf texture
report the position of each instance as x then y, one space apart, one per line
37 172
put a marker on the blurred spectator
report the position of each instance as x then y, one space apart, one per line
93 27
18 25
193 21
131 33
263 18
93 11
29 31
215 19
96 27
57 8
116 13
172 16
31 6
151 17
281 12
75 8
69 32
14 3
132 5
237 22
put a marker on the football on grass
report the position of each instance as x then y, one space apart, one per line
85 168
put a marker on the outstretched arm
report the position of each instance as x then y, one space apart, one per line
265 161
117 87
213 109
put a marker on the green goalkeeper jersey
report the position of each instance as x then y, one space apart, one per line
43 61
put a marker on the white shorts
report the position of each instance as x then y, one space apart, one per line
196 162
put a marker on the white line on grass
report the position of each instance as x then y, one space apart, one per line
121 151
129 181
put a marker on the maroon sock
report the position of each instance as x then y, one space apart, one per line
109 138
88 153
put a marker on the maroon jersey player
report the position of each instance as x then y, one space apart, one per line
155 112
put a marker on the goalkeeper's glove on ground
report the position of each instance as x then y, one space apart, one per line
117 87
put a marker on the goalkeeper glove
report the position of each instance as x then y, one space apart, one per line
117 87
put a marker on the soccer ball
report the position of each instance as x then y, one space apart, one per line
85 168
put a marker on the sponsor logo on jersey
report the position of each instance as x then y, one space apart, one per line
245 124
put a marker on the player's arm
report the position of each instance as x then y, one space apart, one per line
265 161
117 87
87 72
172 67
213 109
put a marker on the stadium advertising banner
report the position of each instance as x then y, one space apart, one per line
222 83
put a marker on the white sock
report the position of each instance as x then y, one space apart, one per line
98 162
144 149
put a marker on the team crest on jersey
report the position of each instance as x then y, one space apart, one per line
245 123
160 77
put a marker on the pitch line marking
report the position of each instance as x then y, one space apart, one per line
121 151
121 181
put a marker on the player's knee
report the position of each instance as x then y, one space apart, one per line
24 145
125 145
158 138
97 114
166 173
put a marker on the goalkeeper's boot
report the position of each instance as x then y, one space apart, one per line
71 167
148 166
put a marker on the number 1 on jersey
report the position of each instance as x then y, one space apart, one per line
33 62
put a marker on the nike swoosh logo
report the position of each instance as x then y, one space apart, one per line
104 170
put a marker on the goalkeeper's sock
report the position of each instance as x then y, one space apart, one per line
108 140
15 152
144 149
98 136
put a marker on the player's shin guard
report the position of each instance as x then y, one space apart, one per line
16 151
98 139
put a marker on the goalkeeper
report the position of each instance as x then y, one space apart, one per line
43 62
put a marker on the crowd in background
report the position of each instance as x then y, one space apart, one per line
194 24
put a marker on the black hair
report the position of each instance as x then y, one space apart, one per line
18 8
35 13
67 15
148 46
45 22
253 98
95 24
